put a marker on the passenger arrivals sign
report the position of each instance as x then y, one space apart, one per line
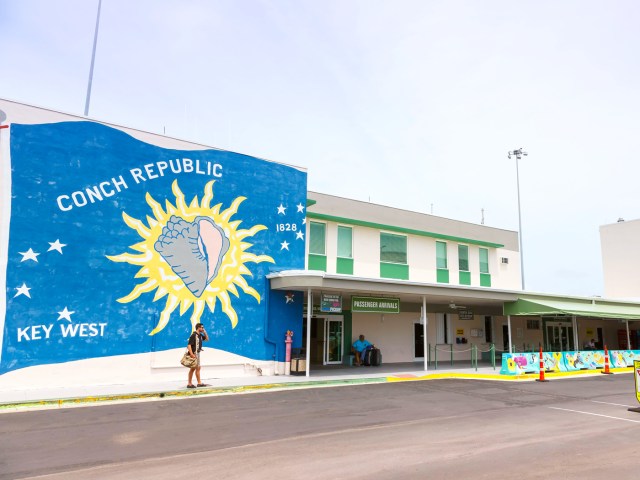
375 304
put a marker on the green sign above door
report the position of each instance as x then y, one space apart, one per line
375 304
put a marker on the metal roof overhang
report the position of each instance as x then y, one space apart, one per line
437 295
537 306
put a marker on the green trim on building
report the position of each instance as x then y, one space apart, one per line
391 228
443 275
317 262
344 266
464 278
310 202
485 280
394 270
347 325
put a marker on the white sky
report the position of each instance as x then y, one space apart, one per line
412 104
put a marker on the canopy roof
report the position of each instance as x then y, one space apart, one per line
539 306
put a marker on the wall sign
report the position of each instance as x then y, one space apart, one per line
375 304
331 303
465 315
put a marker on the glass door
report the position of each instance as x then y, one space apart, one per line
559 337
333 341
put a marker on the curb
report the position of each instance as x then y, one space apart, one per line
175 394
103 399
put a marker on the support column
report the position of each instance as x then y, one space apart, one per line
628 337
509 330
574 322
309 314
424 332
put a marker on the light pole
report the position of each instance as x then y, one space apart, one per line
519 153
93 59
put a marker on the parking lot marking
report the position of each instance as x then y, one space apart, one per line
614 404
595 414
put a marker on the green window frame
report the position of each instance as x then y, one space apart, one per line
393 248
345 242
463 258
317 238
441 255
484 260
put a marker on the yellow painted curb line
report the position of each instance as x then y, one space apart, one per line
498 377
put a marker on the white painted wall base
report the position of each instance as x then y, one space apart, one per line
133 370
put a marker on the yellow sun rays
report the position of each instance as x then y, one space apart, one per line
160 277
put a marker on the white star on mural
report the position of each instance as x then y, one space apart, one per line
284 245
281 209
300 207
56 246
304 221
289 297
23 290
29 255
65 314
299 236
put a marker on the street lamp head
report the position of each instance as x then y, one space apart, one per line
518 153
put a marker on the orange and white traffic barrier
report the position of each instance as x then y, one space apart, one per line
606 361
541 379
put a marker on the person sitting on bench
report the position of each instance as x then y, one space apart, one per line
361 346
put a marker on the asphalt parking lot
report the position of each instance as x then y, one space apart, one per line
437 429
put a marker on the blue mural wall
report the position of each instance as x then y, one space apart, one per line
117 246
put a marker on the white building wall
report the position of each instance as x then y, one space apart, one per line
621 259
421 255
505 276
421 250
393 334
366 251
452 262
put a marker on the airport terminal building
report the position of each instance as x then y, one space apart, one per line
115 242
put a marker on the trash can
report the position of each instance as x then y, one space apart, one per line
298 361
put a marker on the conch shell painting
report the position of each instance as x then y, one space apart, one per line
193 254
193 250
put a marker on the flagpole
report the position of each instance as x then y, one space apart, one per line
93 58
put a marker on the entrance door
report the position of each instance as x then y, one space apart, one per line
505 338
418 335
600 343
333 341
559 337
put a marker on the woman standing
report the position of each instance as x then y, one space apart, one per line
194 346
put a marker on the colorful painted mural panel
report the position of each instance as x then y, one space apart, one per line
521 363
117 246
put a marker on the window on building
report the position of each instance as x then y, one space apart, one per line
393 248
441 255
317 238
533 324
345 242
484 260
463 258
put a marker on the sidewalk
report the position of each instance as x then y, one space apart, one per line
34 398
